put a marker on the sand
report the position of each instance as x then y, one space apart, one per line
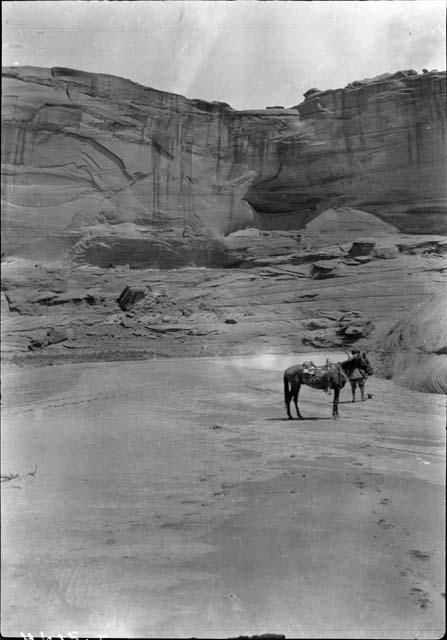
172 498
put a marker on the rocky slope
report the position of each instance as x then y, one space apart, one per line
283 298
103 171
414 351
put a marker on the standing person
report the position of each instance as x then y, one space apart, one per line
357 377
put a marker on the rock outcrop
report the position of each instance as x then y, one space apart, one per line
414 351
130 296
105 171
322 270
362 247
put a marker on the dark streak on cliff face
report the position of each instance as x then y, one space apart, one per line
378 146
108 156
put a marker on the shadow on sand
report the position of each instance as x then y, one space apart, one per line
298 419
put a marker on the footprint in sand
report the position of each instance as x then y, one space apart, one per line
110 541
420 555
175 526
384 524
421 597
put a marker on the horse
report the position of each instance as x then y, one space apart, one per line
332 376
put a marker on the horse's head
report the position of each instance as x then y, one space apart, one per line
364 363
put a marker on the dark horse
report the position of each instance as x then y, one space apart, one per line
331 376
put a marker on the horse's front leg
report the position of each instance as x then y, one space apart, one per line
295 400
335 403
288 399
353 387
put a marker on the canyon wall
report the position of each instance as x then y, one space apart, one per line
99 169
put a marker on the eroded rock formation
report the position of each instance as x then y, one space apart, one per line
414 351
106 171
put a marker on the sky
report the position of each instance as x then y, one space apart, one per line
249 53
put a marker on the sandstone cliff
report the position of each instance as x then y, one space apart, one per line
106 171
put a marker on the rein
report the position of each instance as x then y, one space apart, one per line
342 371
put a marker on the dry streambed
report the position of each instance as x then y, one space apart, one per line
171 497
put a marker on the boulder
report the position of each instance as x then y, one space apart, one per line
52 336
362 247
130 296
385 252
353 325
320 323
357 331
362 259
431 244
354 262
321 270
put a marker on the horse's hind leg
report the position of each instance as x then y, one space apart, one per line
353 388
296 391
287 396
335 403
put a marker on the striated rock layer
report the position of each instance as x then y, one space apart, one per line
414 351
105 171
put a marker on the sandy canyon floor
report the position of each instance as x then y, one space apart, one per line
171 497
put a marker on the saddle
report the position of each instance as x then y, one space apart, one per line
319 377
316 377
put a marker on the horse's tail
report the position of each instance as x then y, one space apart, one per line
286 388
